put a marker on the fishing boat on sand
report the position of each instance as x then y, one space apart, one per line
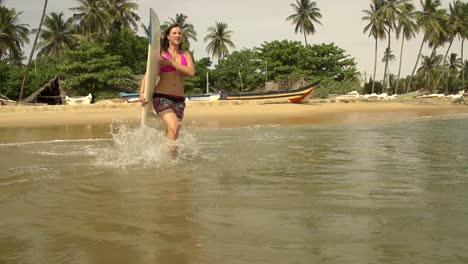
294 95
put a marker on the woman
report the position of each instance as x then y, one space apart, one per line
169 99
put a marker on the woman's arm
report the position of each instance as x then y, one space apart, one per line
142 90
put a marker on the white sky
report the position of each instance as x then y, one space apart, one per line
257 21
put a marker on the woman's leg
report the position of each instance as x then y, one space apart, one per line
172 125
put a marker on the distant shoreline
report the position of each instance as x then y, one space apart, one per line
221 114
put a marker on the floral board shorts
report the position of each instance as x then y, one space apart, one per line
163 102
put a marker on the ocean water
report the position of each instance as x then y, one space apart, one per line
384 192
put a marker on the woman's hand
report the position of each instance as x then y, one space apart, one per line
166 61
143 100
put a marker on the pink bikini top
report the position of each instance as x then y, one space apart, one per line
169 68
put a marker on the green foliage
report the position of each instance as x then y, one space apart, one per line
42 71
10 79
329 61
378 87
90 68
105 94
194 85
283 60
248 64
132 48
287 59
330 86
11 76
13 35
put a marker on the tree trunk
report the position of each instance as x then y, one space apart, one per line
447 82
448 49
416 65
384 79
387 88
375 65
463 65
386 65
25 78
427 79
399 66
445 58
305 38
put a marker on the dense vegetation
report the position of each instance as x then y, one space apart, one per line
438 27
95 52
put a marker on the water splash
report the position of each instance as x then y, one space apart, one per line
146 146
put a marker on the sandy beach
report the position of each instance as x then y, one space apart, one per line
235 113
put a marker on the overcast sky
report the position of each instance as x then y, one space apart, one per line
257 21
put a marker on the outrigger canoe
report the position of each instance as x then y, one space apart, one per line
294 95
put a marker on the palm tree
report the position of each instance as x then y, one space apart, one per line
407 28
452 26
375 27
388 55
219 38
457 21
187 28
438 39
430 68
387 58
464 35
123 16
28 66
454 65
390 11
306 14
92 18
145 29
428 20
464 71
12 34
56 37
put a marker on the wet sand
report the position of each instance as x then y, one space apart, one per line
221 114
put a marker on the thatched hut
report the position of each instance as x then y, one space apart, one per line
50 94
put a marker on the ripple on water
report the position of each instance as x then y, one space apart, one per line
23 174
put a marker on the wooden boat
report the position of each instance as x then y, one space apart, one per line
294 95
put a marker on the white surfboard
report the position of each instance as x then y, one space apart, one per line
152 66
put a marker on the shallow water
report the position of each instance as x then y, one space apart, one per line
369 193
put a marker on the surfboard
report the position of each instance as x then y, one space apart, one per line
152 66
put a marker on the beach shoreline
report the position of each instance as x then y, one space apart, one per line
222 114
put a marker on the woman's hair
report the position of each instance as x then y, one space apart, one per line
165 41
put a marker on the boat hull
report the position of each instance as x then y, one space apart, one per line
294 96
203 97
